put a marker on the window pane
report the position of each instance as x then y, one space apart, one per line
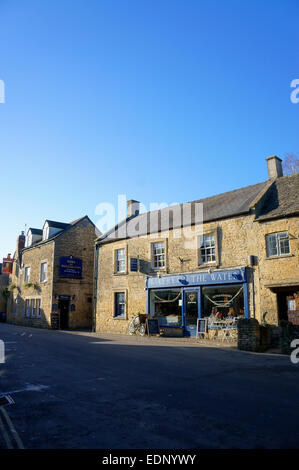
222 302
284 243
120 304
207 249
33 307
43 273
38 307
271 242
120 264
277 244
158 255
166 305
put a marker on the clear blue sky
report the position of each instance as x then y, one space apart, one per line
161 100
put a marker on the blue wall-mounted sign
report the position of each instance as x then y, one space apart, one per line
134 264
231 276
70 267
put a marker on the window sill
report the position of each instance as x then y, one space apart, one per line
121 274
119 318
290 255
213 264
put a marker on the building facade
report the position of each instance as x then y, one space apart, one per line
242 261
52 280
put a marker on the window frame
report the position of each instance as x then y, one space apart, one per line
27 279
115 294
277 244
41 272
153 255
38 303
214 262
33 307
27 307
117 260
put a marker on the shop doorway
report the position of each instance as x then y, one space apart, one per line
285 299
191 312
64 307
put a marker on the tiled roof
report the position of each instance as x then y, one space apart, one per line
35 231
282 198
222 206
52 223
64 229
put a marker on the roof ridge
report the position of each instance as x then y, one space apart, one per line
229 192
244 206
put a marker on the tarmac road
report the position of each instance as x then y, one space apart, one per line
82 390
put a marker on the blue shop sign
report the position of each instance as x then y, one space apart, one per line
70 267
232 276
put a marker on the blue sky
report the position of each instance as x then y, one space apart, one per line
161 100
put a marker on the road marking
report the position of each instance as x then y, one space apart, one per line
12 429
29 388
5 435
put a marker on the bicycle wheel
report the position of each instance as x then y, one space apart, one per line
131 328
142 329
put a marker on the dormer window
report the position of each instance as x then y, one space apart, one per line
34 235
46 232
29 239
52 228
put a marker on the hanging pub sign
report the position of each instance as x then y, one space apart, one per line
70 267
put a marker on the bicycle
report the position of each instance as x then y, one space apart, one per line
135 326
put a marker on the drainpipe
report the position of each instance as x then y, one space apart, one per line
95 287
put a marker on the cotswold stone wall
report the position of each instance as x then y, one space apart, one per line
78 241
273 270
237 238
249 335
16 308
4 281
234 246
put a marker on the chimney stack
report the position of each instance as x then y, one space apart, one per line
274 167
21 242
133 208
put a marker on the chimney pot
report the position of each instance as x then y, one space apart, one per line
133 208
274 167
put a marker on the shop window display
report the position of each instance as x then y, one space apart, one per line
167 306
223 302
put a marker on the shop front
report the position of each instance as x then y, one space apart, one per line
179 300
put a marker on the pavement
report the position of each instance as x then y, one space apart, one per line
85 390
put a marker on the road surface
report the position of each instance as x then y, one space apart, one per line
81 390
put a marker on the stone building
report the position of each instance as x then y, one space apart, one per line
242 261
52 279
4 281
